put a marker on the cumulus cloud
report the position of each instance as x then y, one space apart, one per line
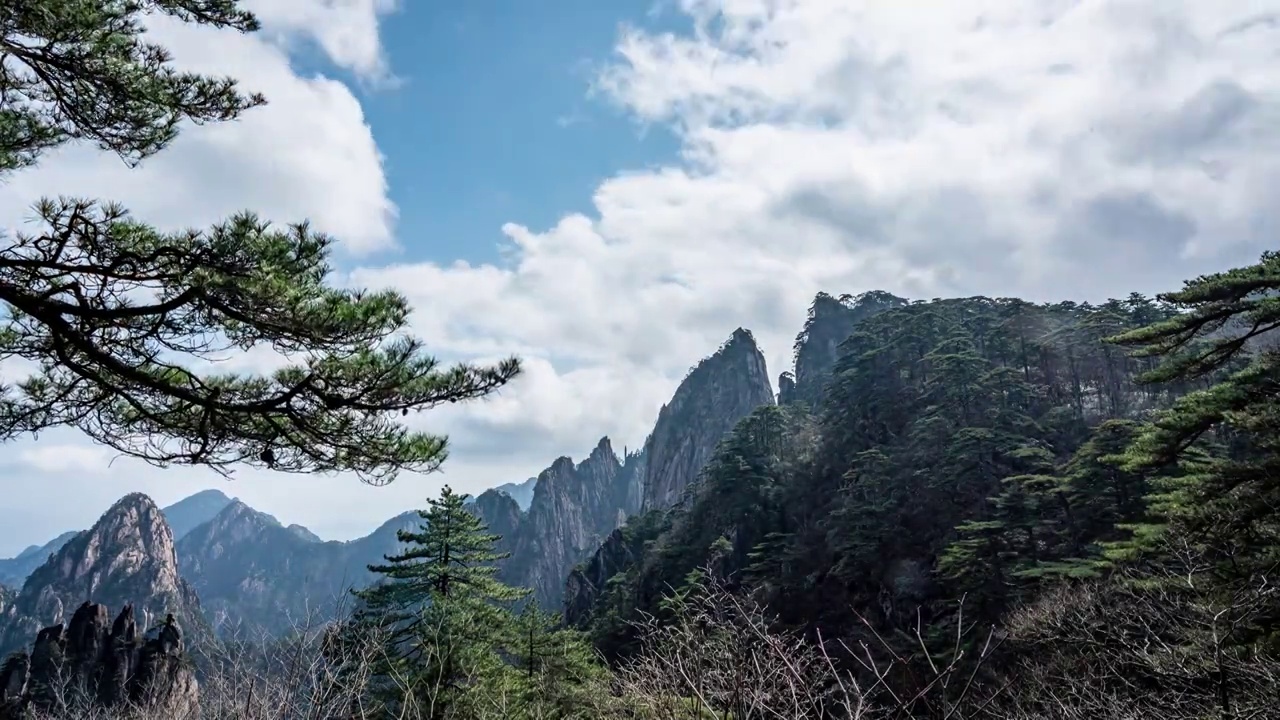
345 30
308 154
1051 149
1046 149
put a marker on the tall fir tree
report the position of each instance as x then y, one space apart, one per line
1223 438
439 612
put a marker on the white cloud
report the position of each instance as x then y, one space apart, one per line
308 154
346 30
1048 148
1045 149
66 458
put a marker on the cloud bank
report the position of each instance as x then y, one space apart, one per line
1049 149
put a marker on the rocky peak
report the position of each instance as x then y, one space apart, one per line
126 558
714 396
831 320
101 664
575 506
502 515
191 512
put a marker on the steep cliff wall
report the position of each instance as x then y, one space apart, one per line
574 508
720 391
94 664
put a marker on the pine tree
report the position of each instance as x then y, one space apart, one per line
554 669
111 363
1222 439
439 611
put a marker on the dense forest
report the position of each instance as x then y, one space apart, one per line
1071 504
989 509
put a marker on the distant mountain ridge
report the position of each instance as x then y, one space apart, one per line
182 517
253 574
234 568
128 557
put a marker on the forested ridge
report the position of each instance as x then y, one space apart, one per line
978 465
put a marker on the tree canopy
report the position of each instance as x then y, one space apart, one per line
118 326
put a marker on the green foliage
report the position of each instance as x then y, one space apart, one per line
1222 439
121 321
962 449
554 671
449 643
733 509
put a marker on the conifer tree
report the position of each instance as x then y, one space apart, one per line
440 610
555 669
124 368
1223 439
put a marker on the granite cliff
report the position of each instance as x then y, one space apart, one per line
96 664
574 507
714 396
577 507
126 558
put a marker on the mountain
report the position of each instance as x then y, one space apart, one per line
191 512
252 574
714 396
13 571
182 516
576 506
522 493
126 558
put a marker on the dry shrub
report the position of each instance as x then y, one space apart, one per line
1157 643
719 656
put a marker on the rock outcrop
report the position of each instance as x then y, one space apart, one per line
585 581
182 516
95 663
502 515
714 396
831 320
126 558
253 574
575 507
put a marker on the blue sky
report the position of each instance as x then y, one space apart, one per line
495 119
608 191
